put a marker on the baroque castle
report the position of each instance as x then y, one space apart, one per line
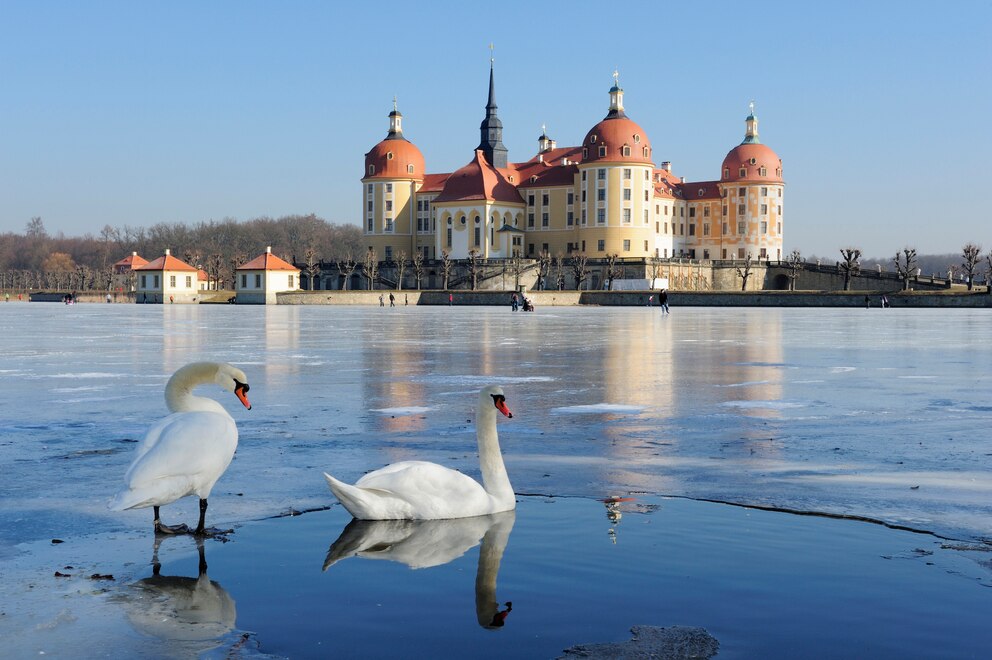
605 196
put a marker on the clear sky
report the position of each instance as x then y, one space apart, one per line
134 113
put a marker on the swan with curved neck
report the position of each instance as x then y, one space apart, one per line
186 452
418 490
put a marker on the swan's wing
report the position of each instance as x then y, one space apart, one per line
185 444
433 491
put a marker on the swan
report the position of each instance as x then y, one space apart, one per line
418 490
185 453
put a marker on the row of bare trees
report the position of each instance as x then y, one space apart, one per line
906 265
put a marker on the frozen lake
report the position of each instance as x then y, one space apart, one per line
872 414
875 413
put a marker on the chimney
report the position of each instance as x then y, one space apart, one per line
134 254
667 165
268 249
682 179
167 253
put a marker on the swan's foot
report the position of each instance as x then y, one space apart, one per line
162 528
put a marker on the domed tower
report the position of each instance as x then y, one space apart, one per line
752 189
394 170
614 186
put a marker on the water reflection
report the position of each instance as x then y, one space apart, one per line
193 613
427 543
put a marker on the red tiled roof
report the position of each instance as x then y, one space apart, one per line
548 168
614 133
700 190
742 155
267 261
132 260
166 262
479 180
433 183
391 158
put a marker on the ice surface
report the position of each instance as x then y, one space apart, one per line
876 413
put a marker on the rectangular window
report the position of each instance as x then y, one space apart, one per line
646 221
370 189
780 210
626 216
530 220
389 205
370 226
601 245
583 175
244 281
740 209
144 281
583 216
571 198
764 227
764 192
741 227
601 175
692 228
291 281
388 254
544 219
570 219
646 248
725 230
600 216
189 281
666 210
626 194
626 245
762 254
666 253
706 254
258 280
682 211
530 248
706 211
706 229
544 247
583 246
172 281
389 187
370 206
740 192
389 225
764 209
740 253
626 174
478 236
449 237
780 229
544 199
725 209
646 196
530 199
666 227
583 195
601 194
692 212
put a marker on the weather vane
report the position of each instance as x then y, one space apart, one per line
492 58
616 77
394 103
751 106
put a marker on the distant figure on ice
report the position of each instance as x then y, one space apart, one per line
514 302
392 300
663 301
382 302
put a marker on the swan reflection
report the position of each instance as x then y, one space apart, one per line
426 543
194 612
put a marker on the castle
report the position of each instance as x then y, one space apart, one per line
603 197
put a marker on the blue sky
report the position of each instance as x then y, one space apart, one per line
132 113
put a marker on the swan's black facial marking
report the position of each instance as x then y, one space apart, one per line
500 402
241 391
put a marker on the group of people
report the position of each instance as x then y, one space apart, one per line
515 303
392 300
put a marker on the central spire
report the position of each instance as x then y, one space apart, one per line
491 128
751 127
616 98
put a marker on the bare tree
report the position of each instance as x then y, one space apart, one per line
796 265
516 267
311 265
905 265
418 267
371 268
543 268
614 270
654 269
400 269
744 272
580 271
446 266
850 266
215 263
558 266
346 267
971 254
234 262
473 267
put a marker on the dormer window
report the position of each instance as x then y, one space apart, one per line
585 153
592 139
602 152
533 179
511 178
754 161
637 138
625 150
778 171
742 171
646 152
702 191
371 170
726 173
762 171
409 168
389 155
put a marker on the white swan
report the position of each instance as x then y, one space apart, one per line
417 490
185 453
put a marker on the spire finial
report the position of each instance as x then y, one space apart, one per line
394 103
544 129
616 77
492 57
751 107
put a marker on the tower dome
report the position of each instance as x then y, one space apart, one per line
751 161
395 157
616 138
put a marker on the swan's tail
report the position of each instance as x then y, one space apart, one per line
368 503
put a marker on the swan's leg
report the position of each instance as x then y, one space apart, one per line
162 528
202 530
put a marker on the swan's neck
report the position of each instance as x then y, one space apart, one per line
494 477
490 556
179 395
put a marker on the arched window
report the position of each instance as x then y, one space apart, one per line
371 170
637 138
409 168
625 150
592 138
726 173
646 152
585 153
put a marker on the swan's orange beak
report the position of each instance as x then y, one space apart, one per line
500 403
241 391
